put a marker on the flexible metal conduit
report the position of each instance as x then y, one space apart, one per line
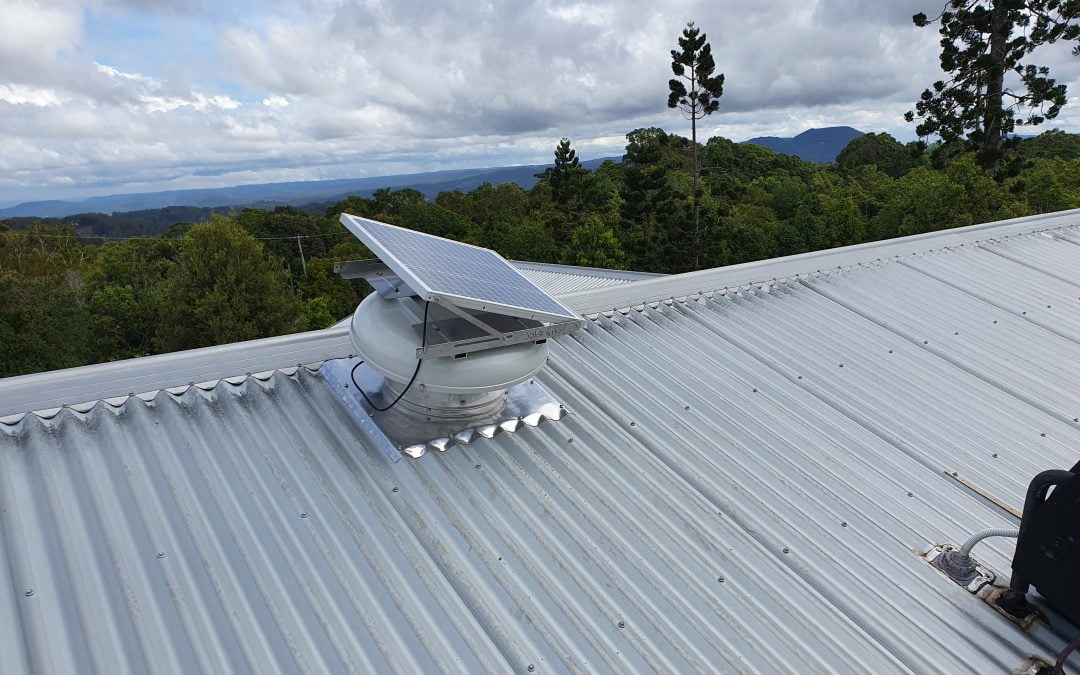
985 534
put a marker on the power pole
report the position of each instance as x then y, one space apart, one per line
303 262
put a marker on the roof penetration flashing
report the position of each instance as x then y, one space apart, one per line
400 432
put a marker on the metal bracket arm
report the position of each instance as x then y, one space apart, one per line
469 317
501 340
363 269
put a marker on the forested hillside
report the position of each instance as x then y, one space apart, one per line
256 273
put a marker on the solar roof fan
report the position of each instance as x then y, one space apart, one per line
447 344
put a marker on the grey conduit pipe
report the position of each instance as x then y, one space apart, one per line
986 534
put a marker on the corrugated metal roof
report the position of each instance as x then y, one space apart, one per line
561 279
74 386
744 482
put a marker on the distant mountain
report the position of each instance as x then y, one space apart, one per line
269 195
813 145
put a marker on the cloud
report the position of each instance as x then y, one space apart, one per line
33 35
255 92
21 94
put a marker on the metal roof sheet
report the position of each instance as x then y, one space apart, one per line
561 279
744 482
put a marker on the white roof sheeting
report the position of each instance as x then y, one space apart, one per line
744 483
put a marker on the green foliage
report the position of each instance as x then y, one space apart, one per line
225 288
69 301
44 323
693 65
990 90
336 296
1048 185
880 150
1050 144
693 62
126 294
594 244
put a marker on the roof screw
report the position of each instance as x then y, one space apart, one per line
890 351
532 381
911 494
787 550
29 592
477 466
799 377
1043 434
720 579
995 455
394 489
570 440
1024 313
1048 306
688 407
956 333
531 668
843 523
926 342
622 624
755 390
633 424
304 514
995 320
1076 419
160 554
841 365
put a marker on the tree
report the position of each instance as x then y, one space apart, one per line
593 244
125 293
990 89
565 177
693 62
880 150
1050 144
44 322
225 288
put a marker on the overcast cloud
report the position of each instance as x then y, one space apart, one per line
135 95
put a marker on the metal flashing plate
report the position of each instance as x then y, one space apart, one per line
442 270
399 435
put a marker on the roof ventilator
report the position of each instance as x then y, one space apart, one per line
1047 554
448 343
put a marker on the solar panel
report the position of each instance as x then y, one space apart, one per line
465 275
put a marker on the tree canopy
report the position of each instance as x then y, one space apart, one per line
991 86
71 299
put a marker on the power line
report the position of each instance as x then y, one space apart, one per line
148 237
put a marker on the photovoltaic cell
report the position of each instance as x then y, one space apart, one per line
469 276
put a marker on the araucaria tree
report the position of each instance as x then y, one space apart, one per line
563 174
693 65
991 88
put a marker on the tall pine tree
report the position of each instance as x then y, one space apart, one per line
991 89
693 65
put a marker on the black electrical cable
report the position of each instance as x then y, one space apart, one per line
423 344
1059 667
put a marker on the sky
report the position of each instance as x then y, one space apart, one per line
118 96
